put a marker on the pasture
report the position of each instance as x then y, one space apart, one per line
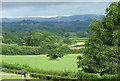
42 62
79 39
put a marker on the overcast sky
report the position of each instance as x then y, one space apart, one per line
52 8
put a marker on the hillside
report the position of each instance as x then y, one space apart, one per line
28 25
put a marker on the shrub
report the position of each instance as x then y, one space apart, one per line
83 75
106 76
14 49
11 49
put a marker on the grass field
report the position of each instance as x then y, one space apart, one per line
79 39
67 63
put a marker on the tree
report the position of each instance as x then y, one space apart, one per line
102 53
10 38
54 50
36 38
67 41
81 34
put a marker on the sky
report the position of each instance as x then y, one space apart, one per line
15 9
60 0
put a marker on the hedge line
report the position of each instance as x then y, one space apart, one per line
81 76
26 68
36 73
14 49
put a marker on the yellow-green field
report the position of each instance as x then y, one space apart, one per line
42 62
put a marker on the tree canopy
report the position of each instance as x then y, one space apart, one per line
102 49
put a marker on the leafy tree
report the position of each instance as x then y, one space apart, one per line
55 52
36 38
10 38
81 34
67 41
67 34
102 53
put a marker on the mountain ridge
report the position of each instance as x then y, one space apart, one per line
67 18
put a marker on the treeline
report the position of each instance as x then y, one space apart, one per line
14 49
81 34
55 27
22 38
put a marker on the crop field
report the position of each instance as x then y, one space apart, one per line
42 62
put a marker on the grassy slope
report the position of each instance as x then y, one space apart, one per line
68 62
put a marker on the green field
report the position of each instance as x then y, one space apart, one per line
67 63
79 39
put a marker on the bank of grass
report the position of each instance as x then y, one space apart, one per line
42 62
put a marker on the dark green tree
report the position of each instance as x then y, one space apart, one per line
36 38
102 53
67 41
81 34
10 38
55 51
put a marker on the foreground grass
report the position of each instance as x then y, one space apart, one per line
67 63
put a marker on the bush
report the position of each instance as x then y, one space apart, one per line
14 66
14 49
28 50
83 75
109 76
11 49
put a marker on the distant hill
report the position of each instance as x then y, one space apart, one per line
89 18
55 24
29 25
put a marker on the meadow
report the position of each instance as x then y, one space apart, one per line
42 62
79 39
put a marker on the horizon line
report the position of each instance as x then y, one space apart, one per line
45 16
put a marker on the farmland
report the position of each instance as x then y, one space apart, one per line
67 63
64 50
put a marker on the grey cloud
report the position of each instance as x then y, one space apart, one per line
53 8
